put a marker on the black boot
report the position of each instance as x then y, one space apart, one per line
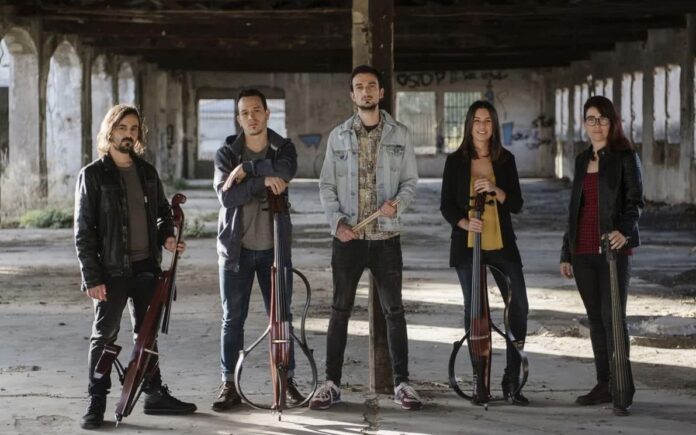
227 398
599 394
94 417
158 401
293 394
510 384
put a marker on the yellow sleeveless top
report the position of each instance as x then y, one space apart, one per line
491 238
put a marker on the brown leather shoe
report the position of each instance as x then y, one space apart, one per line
227 398
599 394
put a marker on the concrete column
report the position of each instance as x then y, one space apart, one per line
102 96
373 44
174 127
86 104
686 164
20 174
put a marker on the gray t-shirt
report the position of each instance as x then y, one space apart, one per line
257 224
138 242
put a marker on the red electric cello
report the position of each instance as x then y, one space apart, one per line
479 335
279 331
141 367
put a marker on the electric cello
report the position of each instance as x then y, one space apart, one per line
279 331
142 366
479 335
622 387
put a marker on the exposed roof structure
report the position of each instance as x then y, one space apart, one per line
315 35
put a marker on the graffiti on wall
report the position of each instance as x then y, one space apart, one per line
539 134
311 140
430 78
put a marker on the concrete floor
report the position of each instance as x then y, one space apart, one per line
45 323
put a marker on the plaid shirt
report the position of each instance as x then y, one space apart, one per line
368 141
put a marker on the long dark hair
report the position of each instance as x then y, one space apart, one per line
467 145
617 140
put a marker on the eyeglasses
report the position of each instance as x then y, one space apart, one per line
602 120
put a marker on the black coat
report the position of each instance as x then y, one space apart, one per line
101 219
454 204
620 189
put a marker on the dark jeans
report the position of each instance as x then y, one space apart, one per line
519 307
137 291
348 261
235 292
592 277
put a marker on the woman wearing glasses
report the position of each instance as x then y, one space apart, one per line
607 198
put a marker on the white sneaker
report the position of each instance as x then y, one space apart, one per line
325 396
406 396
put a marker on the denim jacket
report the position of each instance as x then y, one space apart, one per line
397 173
280 161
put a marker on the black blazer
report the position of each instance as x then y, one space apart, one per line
454 203
620 197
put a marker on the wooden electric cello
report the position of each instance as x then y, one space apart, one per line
622 387
141 366
279 331
479 336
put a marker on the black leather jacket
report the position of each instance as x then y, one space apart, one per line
101 219
620 196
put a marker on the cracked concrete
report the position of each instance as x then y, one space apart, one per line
45 323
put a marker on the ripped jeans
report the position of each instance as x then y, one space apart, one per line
348 261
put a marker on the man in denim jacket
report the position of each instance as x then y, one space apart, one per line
369 165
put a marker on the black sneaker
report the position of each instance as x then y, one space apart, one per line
159 402
227 398
293 394
599 394
94 417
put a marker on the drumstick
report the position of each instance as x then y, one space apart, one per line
360 225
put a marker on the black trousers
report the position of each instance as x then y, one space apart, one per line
592 277
349 260
136 291
519 305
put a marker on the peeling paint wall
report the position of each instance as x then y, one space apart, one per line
102 97
63 123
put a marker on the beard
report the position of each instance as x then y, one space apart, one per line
125 146
368 106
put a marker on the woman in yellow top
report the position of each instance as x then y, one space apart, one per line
481 164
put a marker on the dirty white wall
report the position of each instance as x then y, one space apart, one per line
669 168
315 103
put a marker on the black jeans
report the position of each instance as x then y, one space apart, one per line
592 277
519 306
348 261
137 291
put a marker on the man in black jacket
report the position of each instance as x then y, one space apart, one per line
122 219
246 167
